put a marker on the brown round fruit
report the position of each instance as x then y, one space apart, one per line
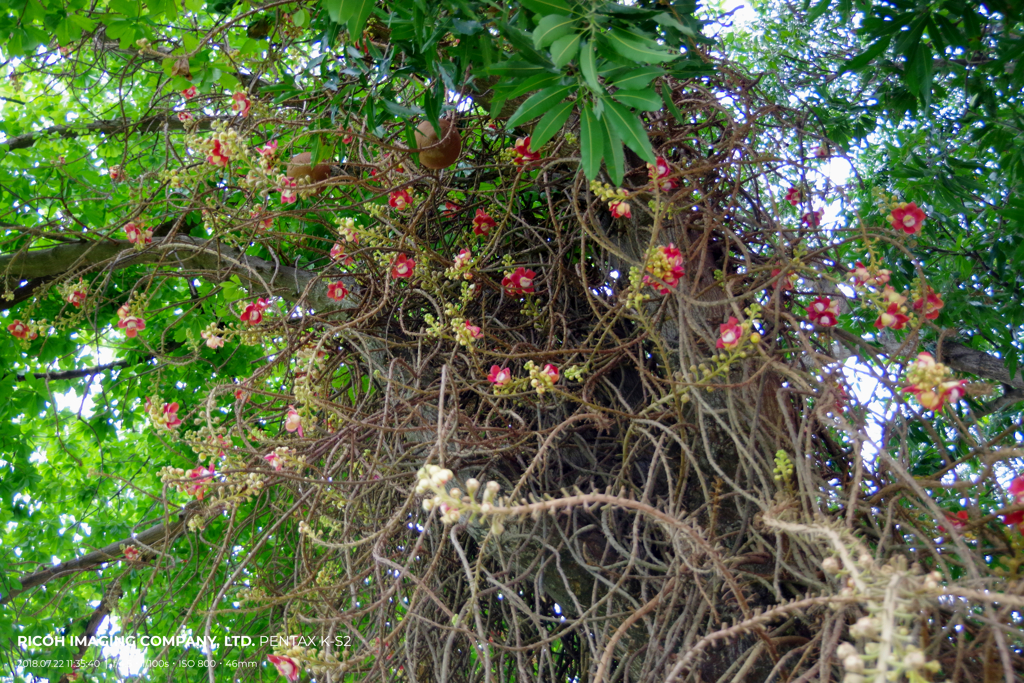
444 154
299 167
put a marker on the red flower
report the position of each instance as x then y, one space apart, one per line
76 298
729 334
862 276
253 313
907 217
823 311
337 291
463 258
241 104
659 173
185 117
132 325
1014 518
402 267
620 209
137 233
400 200
784 283
523 154
482 223
21 330
189 92
131 553
794 196
551 371
293 421
219 155
519 282
450 208
1017 489
499 376
197 475
338 254
959 520
892 317
812 218
286 666
171 415
267 149
930 305
474 331
288 194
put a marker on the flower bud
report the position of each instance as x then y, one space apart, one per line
830 565
854 664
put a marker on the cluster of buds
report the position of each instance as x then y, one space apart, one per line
615 197
162 415
453 503
892 309
221 147
542 379
462 266
213 336
466 333
930 383
912 661
664 268
783 471
74 293
348 230
280 457
138 234
865 276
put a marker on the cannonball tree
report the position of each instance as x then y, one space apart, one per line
548 340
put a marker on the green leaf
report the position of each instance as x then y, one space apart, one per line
630 129
640 78
516 69
360 12
550 124
818 10
642 100
868 55
667 19
551 28
538 103
333 8
638 48
615 158
546 6
300 18
591 142
588 66
670 106
564 50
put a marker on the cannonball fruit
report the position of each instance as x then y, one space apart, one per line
443 155
299 167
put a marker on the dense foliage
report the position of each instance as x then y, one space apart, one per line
546 340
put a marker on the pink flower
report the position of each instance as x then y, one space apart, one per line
171 415
463 258
132 325
930 305
274 460
400 200
347 138
812 218
268 149
892 317
116 173
499 376
785 283
665 265
523 154
131 553
197 475
402 267
286 666
338 254
823 311
907 217
287 189
729 334
474 331
954 390
241 104
337 291
551 371
76 298
219 154
862 276
253 313
620 209
137 233
213 340
189 92
293 421
822 151
1017 489
124 311
185 117
659 173
519 282
262 223
21 330
482 223
794 196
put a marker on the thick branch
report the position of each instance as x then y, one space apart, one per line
149 124
965 359
75 374
219 261
159 534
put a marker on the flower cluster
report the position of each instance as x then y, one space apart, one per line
930 383
279 457
659 173
616 198
461 266
138 234
794 196
268 155
542 379
893 312
863 276
348 230
25 331
519 281
664 268
906 217
523 156
823 311
74 293
162 415
212 336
